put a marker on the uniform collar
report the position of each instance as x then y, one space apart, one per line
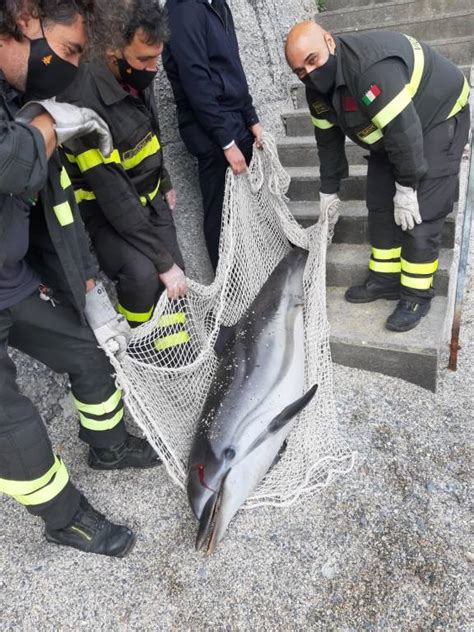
340 81
8 93
108 86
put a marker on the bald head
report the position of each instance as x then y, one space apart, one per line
307 47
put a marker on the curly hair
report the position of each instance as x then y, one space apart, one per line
105 19
151 17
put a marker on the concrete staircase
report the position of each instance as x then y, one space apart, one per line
359 338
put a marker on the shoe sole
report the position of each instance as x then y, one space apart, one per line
130 544
118 466
387 297
403 329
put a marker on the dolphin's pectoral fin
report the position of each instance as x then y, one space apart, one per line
224 337
284 417
292 410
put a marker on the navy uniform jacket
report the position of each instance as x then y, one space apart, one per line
390 91
203 64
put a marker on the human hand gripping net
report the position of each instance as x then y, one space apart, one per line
171 361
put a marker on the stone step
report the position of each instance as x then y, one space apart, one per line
347 264
298 93
304 183
334 5
351 227
300 151
448 25
386 14
359 339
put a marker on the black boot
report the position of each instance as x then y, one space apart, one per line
133 452
91 532
407 315
372 290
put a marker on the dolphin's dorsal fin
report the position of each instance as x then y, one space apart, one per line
284 417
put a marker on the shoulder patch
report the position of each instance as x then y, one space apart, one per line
372 93
320 107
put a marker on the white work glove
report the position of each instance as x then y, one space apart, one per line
406 210
110 328
174 281
70 122
328 206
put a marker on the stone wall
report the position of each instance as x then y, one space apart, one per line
261 28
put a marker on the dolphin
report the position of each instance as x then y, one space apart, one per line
252 403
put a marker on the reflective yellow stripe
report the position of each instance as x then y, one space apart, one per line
171 341
418 66
416 283
403 98
392 109
104 408
149 149
420 268
99 426
151 196
371 138
64 213
92 158
135 317
20 488
178 318
461 100
65 180
48 492
321 123
82 195
391 253
385 266
81 532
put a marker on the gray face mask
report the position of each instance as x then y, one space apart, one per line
323 79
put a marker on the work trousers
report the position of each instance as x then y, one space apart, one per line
29 470
136 277
212 168
410 258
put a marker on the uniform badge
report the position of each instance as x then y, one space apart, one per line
372 93
349 104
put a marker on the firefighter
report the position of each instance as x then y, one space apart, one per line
127 199
408 105
45 272
217 120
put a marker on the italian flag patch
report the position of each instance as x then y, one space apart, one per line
372 93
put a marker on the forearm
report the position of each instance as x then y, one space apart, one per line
44 123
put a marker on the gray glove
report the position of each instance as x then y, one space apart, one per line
406 211
70 122
328 205
174 281
110 328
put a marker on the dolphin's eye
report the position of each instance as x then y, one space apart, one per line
229 454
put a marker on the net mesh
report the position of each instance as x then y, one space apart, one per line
171 361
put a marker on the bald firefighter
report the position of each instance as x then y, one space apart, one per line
407 105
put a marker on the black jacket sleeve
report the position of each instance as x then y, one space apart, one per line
23 161
330 140
188 33
395 114
120 203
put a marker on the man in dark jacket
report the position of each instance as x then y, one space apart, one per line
126 200
217 120
408 105
45 271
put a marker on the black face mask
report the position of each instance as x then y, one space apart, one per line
322 79
48 74
138 79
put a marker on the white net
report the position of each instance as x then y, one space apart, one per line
166 379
